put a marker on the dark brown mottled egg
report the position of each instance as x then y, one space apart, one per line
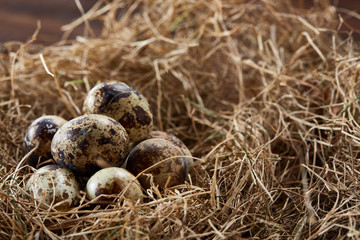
177 142
90 142
54 185
149 152
40 133
113 181
124 104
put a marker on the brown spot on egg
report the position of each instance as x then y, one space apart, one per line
65 195
67 182
71 156
83 145
61 155
39 192
142 116
112 131
104 140
127 120
112 186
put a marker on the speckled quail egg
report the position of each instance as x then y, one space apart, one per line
177 142
54 185
123 103
113 181
40 133
152 151
90 142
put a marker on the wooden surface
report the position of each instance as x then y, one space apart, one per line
18 18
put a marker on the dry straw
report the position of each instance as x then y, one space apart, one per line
265 94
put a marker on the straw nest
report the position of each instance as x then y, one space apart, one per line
265 94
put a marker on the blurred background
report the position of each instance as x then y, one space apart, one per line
18 18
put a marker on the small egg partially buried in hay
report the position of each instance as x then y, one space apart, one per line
39 134
177 142
90 142
55 185
124 104
169 173
113 181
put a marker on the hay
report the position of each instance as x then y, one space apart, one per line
264 93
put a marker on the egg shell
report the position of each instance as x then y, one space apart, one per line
112 181
54 184
177 142
152 151
40 133
124 104
90 142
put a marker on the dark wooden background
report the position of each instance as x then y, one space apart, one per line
18 18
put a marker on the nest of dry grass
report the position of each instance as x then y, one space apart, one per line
265 94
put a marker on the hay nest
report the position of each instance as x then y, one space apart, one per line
264 93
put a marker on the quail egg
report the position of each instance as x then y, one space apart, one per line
149 152
123 103
113 181
90 142
177 142
39 134
54 185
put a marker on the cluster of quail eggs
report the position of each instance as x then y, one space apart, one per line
97 147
